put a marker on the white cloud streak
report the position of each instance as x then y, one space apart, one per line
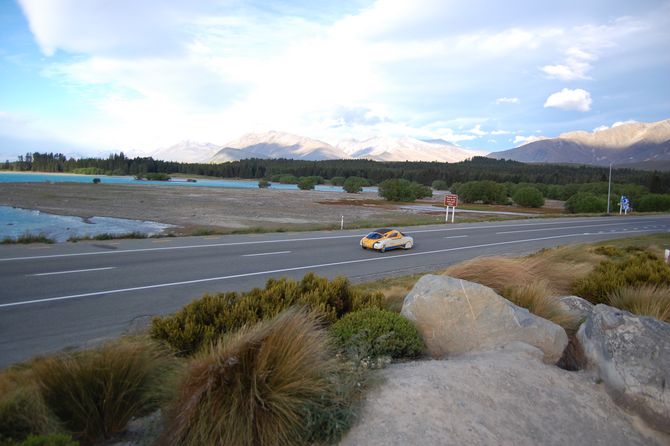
568 99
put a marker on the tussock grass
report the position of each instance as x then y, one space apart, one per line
96 392
22 409
27 238
261 386
110 236
645 300
538 298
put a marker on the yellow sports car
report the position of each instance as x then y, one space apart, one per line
385 239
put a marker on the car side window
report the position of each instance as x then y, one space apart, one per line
393 235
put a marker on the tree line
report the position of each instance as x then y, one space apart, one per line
475 169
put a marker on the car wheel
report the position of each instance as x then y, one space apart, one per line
383 248
408 245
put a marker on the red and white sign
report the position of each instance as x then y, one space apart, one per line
451 200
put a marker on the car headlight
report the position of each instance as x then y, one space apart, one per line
377 245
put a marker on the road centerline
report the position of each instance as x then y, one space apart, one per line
266 254
55 273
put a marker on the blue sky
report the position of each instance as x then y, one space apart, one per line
90 77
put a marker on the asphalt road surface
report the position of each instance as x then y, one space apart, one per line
77 294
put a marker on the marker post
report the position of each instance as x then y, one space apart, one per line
450 201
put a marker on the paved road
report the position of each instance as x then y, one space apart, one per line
58 296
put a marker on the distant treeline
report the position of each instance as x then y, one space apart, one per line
476 169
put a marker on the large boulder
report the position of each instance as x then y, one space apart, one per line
502 397
631 354
455 316
580 309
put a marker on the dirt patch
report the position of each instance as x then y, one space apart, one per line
197 209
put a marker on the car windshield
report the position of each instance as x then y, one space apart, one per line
374 235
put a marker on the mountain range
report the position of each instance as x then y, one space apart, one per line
637 144
275 144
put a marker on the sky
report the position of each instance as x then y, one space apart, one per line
93 77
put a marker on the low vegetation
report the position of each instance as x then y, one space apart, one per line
109 236
645 300
27 238
374 332
538 298
403 190
266 385
204 321
94 393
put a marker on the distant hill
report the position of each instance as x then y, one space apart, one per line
632 144
187 152
406 149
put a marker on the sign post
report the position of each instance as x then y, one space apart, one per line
450 201
624 205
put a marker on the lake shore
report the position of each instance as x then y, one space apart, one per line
197 210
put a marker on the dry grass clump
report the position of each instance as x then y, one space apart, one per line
552 265
22 409
538 298
645 300
259 386
96 392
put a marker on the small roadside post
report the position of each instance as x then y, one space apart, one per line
342 223
450 201
624 205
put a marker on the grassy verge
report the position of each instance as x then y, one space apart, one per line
110 236
28 238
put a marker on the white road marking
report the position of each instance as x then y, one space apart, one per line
282 270
73 271
558 229
255 242
457 236
266 254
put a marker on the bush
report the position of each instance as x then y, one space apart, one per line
654 203
440 185
375 332
96 180
96 392
645 300
153 176
204 320
633 269
529 197
586 202
263 184
337 181
306 183
260 386
354 185
22 409
488 192
287 179
49 440
403 190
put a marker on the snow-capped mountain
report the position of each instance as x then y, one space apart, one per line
405 149
285 145
187 152
628 143
276 145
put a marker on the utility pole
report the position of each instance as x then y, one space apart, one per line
609 190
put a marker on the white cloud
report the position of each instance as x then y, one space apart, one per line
477 130
506 100
501 132
600 128
568 99
618 123
521 140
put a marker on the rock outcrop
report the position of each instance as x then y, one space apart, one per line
502 397
580 309
455 316
631 354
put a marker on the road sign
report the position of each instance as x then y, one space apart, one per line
451 200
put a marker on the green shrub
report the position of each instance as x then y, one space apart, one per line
421 191
153 176
306 183
375 332
528 196
403 190
204 320
259 386
633 269
96 180
488 192
49 440
654 203
440 185
22 409
337 181
354 185
287 179
586 202
96 392
263 184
